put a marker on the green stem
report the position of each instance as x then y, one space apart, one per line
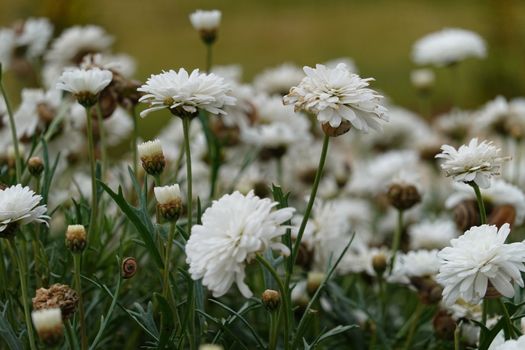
457 337
517 165
107 318
274 326
69 335
310 205
23 286
284 299
509 329
81 314
18 157
92 167
209 56
414 325
186 128
481 205
102 140
166 272
135 140
279 165
397 240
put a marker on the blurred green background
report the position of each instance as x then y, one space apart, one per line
377 34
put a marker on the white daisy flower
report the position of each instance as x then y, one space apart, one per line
432 234
480 259
20 206
183 93
234 229
512 344
422 78
205 20
448 46
85 84
35 35
415 263
37 110
475 162
336 96
278 80
48 324
456 124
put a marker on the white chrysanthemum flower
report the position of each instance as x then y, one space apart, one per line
150 149
48 323
117 127
360 259
512 344
432 234
422 78
336 95
475 162
205 20
167 194
350 64
479 259
35 35
456 124
36 111
122 64
185 93
234 229
20 205
231 72
448 46
415 263
76 42
278 80
500 192
84 83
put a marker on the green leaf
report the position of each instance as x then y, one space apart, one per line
334 331
225 329
167 314
139 220
7 333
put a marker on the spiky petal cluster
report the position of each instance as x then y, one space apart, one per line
336 95
20 205
186 93
475 162
479 259
234 229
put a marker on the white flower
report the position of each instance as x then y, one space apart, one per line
476 162
430 234
150 149
448 46
20 205
82 81
122 64
336 95
75 42
36 111
479 259
47 320
415 263
167 194
35 36
234 229
361 260
205 20
186 93
456 124
350 64
513 344
422 78
278 80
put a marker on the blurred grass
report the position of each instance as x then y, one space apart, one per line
377 34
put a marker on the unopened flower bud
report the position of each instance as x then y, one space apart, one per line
35 166
207 24
210 347
313 281
129 267
169 202
152 157
48 325
429 291
76 238
444 325
422 79
379 263
56 296
271 299
45 112
403 196
343 128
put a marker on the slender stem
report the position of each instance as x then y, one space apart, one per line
457 337
481 205
166 272
310 205
23 286
186 128
209 56
135 140
413 326
283 292
69 335
18 157
274 326
102 140
108 316
509 329
82 317
397 240
91 152
382 298
517 164
279 165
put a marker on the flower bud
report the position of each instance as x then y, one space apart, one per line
379 263
169 202
422 79
403 196
268 153
501 215
45 112
444 325
343 128
48 325
466 215
128 268
56 296
429 291
271 299
152 157
210 347
206 23
313 281
35 166
76 238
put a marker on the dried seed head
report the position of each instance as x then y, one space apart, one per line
444 325
403 196
57 296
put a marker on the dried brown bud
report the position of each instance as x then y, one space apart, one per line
45 112
57 296
268 153
76 238
429 291
343 128
379 263
107 101
10 230
502 214
402 196
35 165
313 281
492 293
271 299
444 325
129 267
466 215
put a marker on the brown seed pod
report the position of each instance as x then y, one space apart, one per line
57 295
502 214
466 215
444 325
429 291
334 132
129 267
403 196
305 256
492 293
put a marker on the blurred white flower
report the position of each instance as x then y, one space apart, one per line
278 80
122 64
34 36
336 95
183 93
422 79
20 206
167 194
118 126
448 46
432 234
205 20
480 259
37 110
82 82
350 64
456 124
234 229
512 344
48 324
475 162
415 263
